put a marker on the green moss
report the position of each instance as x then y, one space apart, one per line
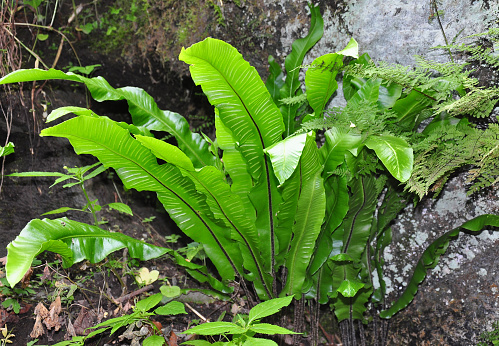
158 27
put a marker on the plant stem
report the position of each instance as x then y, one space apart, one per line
89 204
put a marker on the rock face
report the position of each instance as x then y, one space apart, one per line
458 301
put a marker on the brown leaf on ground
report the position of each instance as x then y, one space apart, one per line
38 329
47 274
70 332
41 310
172 340
3 260
85 319
26 278
52 320
8 317
25 308
127 306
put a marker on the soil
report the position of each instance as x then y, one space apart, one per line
24 199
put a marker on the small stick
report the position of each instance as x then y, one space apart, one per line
197 313
134 293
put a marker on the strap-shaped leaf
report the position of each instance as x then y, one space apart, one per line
248 112
74 241
225 206
431 256
292 63
395 153
243 102
145 112
348 307
338 141
409 109
336 209
308 218
138 168
233 161
357 223
275 80
320 78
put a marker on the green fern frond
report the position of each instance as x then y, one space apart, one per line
477 103
293 100
476 53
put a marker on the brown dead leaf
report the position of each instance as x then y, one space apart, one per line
26 278
172 340
47 274
86 319
3 260
127 306
52 320
38 329
70 332
25 308
41 310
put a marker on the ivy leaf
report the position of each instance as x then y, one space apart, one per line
216 328
170 291
148 303
154 340
268 308
7 150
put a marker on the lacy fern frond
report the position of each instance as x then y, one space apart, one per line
486 171
294 99
443 152
436 81
478 103
476 53
365 116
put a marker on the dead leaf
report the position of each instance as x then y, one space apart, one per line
38 329
70 332
25 308
172 340
26 278
41 310
52 320
47 274
85 319
158 324
127 306
3 260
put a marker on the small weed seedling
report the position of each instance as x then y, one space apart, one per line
79 174
490 337
6 335
138 324
245 328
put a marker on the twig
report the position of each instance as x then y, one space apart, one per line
197 313
134 293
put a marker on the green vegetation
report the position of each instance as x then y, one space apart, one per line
245 327
284 212
140 319
81 175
